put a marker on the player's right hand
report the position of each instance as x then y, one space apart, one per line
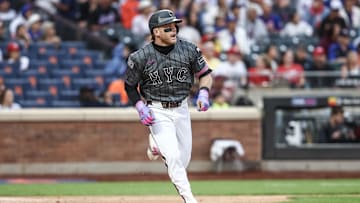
145 113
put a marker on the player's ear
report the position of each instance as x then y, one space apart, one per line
156 31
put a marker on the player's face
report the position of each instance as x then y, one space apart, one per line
166 34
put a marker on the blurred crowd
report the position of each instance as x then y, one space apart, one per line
243 41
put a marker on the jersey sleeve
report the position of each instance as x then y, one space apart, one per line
133 72
199 64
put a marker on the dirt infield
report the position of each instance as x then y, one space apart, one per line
142 199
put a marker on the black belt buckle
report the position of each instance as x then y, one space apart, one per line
170 104
166 105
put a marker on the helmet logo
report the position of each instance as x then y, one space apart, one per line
160 19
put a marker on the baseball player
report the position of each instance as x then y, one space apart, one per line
164 70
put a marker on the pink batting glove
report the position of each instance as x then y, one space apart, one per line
145 113
203 100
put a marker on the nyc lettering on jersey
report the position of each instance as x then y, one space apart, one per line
180 75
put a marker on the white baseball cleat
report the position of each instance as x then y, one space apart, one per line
153 152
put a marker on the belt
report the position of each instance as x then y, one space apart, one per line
166 105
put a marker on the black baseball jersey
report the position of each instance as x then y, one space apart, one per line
165 77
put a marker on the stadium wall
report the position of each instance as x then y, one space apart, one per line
96 141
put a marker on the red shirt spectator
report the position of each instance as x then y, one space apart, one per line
291 72
261 74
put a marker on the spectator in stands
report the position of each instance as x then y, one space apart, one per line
104 15
22 36
6 13
116 66
21 18
351 14
271 19
336 129
86 8
220 23
272 55
34 26
3 32
189 32
296 27
338 50
118 87
219 102
254 26
261 74
283 8
140 25
320 72
331 26
302 57
316 14
209 53
107 98
291 72
192 17
49 34
47 5
233 69
88 98
351 68
130 8
67 9
7 100
234 36
13 56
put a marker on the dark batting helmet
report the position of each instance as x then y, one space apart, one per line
162 17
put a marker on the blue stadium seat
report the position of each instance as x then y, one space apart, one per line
45 84
38 73
39 95
74 64
71 48
88 57
39 48
42 64
72 73
100 64
92 73
87 82
9 70
12 82
66 95
37 103
65 104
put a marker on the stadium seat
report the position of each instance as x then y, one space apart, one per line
12 82
42 65
74 64
39 48
67 95
9 70
72 73
88 57
38 73
40 95
87 82
65 104
45 84
71 48
37 103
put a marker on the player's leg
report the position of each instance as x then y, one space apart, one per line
184 134
164 134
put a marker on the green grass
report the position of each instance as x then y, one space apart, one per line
304 191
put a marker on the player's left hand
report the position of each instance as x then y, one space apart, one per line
203 100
